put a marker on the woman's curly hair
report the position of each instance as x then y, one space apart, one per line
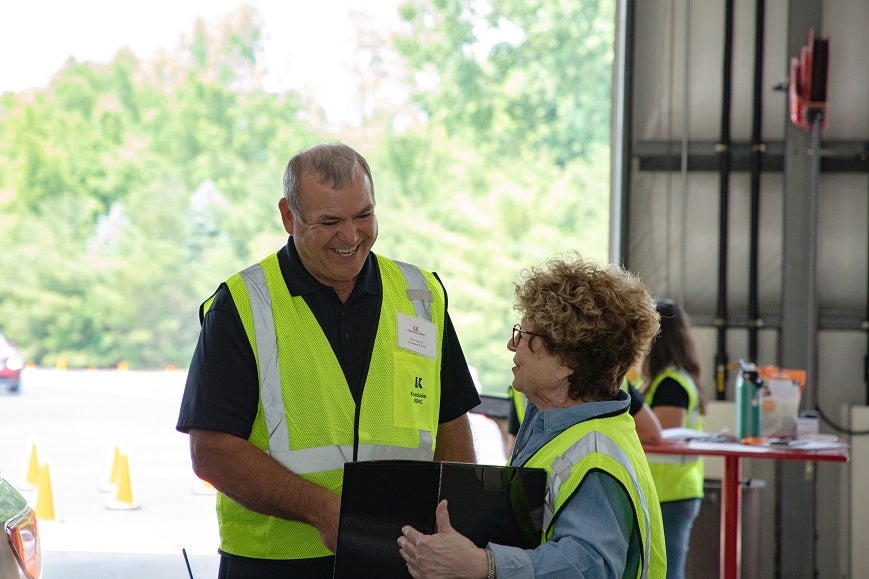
598 319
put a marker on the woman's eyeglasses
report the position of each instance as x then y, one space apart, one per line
518 333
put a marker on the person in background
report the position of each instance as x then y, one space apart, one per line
321 354
671 385
647 423
583 326
515 417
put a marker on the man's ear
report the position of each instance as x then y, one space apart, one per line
286 215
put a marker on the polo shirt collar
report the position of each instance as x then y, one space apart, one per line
300 281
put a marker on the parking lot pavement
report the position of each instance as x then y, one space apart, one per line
78 420
61 565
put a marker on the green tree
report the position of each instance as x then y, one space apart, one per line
96 196
478 221
515 75
130 190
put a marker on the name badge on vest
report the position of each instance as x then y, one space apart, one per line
417 335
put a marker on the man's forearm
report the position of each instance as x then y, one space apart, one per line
258 482
455 441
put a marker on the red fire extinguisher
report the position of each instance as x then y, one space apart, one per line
807 86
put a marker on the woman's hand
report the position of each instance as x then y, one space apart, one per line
447 553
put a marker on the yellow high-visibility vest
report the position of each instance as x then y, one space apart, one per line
307 418
610 445
678 477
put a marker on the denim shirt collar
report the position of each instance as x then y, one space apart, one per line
557 419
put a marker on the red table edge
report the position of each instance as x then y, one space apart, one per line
749 451
731 487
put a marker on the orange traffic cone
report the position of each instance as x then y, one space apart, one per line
31 476
44 496
123 498
110 481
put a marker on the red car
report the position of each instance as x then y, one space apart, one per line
11 364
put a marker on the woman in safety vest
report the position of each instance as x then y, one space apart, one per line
671 385
583 327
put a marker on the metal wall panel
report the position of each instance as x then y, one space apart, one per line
812 276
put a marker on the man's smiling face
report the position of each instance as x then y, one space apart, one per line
336 231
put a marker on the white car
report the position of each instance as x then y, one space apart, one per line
20 554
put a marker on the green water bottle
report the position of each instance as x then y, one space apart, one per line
748 385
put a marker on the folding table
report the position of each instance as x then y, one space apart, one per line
731 487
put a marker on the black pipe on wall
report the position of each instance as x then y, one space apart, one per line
866 319
724 161
757 150
629 15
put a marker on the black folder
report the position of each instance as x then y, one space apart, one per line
499 504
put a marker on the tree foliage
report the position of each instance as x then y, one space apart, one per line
100 175
515 75
129 190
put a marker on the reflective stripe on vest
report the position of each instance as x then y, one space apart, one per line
417 290
322 458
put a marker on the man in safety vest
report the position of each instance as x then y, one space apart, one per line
320 354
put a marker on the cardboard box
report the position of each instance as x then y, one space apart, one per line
499 504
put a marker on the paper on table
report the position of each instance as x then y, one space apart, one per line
681 433
731 446
806 443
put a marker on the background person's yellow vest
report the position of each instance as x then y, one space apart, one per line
519 403
678 477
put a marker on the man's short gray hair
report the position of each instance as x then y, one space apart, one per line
335 163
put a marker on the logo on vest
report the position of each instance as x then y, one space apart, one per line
418 397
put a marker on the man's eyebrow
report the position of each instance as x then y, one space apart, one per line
332 217
326 217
